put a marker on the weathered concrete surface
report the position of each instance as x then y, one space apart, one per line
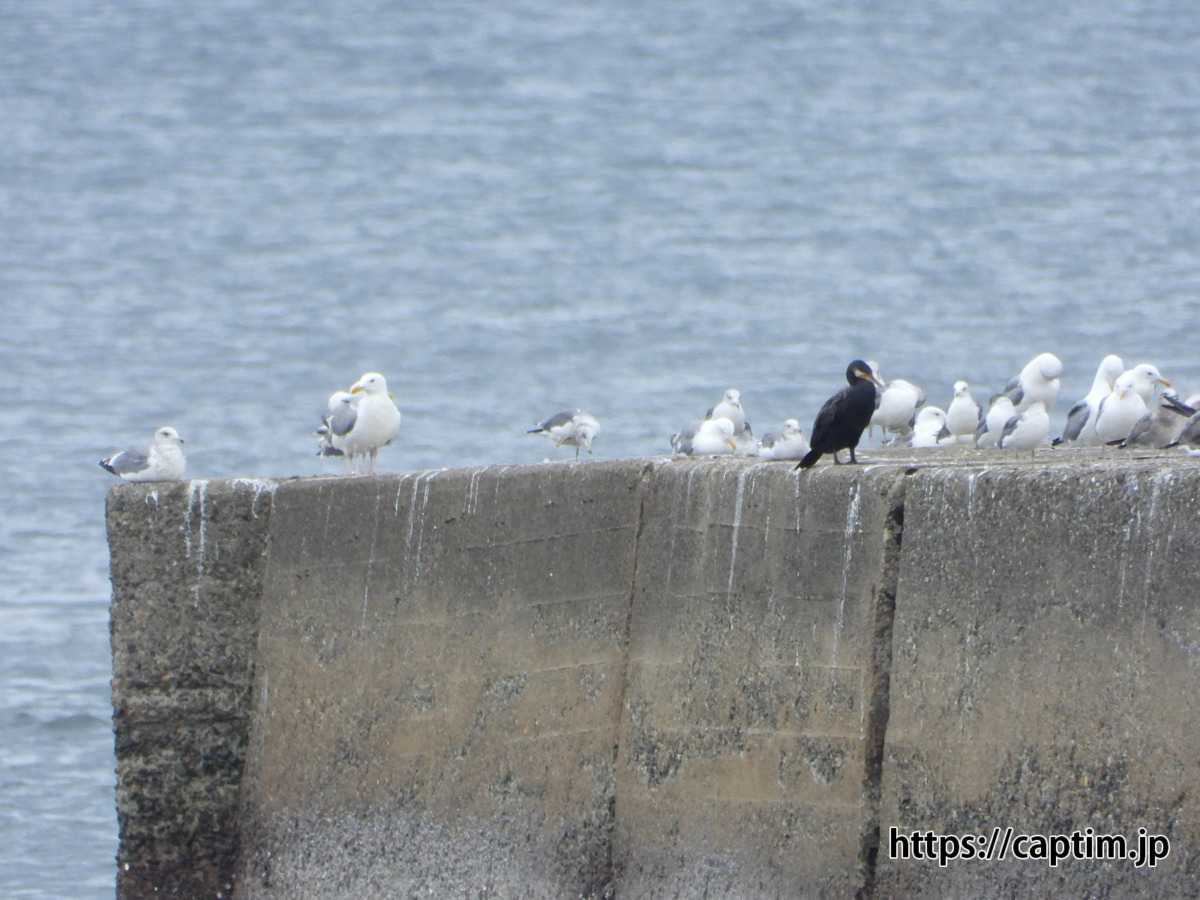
1046 666
441 663
684 679
187 563
749 729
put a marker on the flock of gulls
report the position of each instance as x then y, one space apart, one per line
1126 407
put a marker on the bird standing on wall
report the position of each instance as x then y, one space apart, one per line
1159 427
1000 410
963 414
844 416
1027 430
572 427
1120 410
731 408
160 461
896 405
1039 380
337 421
1081 418
929 428
376 421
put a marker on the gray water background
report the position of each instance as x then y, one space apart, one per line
214 214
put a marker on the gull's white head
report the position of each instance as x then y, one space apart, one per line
167 435
791 427
734 396
960 388
371 383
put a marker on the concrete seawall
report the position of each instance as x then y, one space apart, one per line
682 679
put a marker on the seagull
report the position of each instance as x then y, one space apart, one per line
339 419
963 413
896 405
572 427
1160 427
1145 376
731 408
1189 438
1081 418
930 427
712 437
1039 380
160 461
1027 430
1000 410
788 443
376 422
1120 410
844 416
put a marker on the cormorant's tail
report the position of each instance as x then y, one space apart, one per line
809 460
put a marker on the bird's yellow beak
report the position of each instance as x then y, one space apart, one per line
1164 382
356 389
733 445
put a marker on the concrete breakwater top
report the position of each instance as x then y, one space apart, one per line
694 678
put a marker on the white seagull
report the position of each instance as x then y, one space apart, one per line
711 437
1081 418
376 421
1000 410
338 419
1120 410
896 406
930 427
787 443
963 413
1028 430
160 461
1039 380
572 427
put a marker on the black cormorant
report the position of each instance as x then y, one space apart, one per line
844 416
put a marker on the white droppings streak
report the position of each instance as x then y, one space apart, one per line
473 491
853 526
261 486
737 524
371 559
196 499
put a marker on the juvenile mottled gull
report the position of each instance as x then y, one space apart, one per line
787 443
572 427
160 461
376 422
1159 427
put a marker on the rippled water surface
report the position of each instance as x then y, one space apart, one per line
214 214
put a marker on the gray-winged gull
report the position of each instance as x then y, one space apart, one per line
1000 410
896 405
787 443
376 421
712 437
731 408
160 461
1027 430
1039 380
1081 418
963 414
571 427
929 428
1120 410
339 418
